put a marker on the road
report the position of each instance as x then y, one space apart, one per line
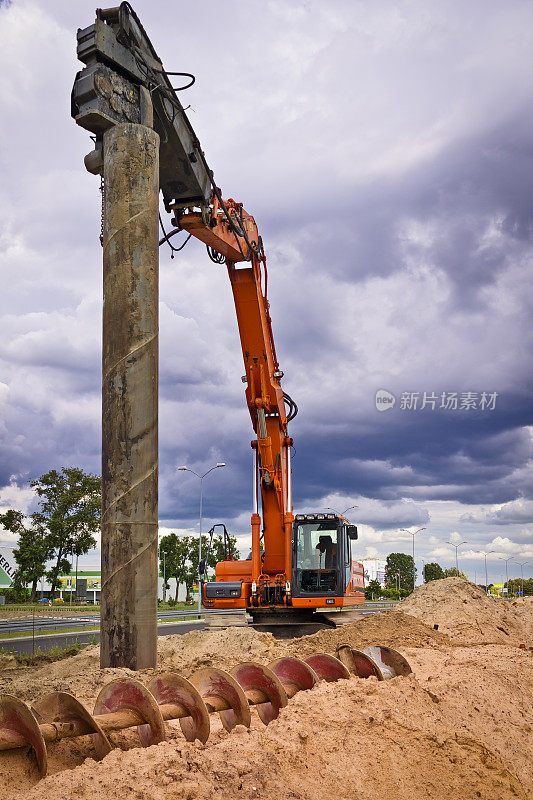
23 646
26 645
26 624
53 623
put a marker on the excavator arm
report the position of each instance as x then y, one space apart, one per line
232 233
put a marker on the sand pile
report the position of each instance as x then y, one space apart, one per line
222 648
449 731
464 612
81 675
7 662
461 726
392 628
520 602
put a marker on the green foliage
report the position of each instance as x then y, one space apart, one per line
404 565
176 550
391 593
515 586
181 557
373 590
432 572
31 553
16 594
172 602
69 514
453 572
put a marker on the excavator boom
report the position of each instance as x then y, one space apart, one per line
295 566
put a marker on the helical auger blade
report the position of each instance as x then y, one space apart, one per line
126 703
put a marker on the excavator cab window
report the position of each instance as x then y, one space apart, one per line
319 554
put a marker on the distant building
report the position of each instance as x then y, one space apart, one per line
87 587
374 570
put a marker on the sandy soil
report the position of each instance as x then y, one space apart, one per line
459 727
464 611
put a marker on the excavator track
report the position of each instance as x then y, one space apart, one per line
126 703
290 624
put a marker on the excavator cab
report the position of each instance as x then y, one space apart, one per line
321 555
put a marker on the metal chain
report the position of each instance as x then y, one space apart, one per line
102 212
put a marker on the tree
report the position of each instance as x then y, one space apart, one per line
31 553
515 586
175 552
402 564
181 557
432 572
218 551
373 588
69 514
453 572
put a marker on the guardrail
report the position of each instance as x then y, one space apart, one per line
44 624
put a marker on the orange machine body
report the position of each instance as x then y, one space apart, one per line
266 579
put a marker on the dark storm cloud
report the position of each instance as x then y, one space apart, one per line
476 184
387 155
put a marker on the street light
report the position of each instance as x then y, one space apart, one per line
486 575
201 477
413 534
522 565
506 571
456 560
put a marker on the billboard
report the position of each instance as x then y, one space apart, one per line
7 571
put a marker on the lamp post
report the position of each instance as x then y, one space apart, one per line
201 478
522 565
510 558
486 574
413 534
456 559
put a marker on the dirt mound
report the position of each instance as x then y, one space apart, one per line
520 602
459 727
392 628
81 674
467 615
7 662
450 731
222 648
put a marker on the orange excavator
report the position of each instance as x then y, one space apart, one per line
297 564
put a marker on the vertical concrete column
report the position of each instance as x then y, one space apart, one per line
130 398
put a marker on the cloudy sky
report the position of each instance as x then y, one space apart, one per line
386 151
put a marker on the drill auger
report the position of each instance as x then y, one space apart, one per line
127 703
